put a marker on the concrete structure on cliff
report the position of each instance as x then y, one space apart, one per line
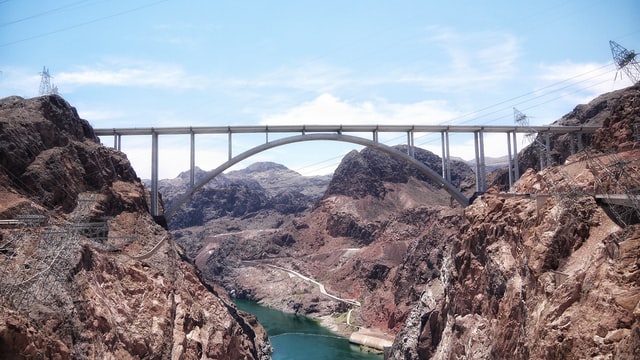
336 133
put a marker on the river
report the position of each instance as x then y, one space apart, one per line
300 338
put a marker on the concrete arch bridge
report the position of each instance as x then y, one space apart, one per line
302 133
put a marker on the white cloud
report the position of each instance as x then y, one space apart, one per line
578 83
482 58
99 114
19 81
306 76
329 109
450 62
135 74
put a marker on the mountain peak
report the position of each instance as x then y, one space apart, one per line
265 166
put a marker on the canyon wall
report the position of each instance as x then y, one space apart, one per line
85 272
549 270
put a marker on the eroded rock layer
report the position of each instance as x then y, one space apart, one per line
85 272
550 270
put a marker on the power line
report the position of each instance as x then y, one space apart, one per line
41 14
82 24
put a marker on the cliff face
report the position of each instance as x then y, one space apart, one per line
85 271
553 276
366 172
268 189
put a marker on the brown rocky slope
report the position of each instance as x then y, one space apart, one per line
85 270
555 275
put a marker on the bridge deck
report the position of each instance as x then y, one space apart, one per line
247 129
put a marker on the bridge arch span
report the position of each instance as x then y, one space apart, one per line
455 193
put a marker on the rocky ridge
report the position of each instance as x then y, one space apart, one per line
86 272
267 190
614 111
554 275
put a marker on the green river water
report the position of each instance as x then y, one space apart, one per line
301 338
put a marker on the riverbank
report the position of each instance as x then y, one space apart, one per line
285 284
299 337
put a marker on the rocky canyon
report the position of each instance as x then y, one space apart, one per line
548 268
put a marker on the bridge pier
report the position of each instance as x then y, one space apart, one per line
481 183
516 167
154 174
547 148
509 160
579 136
117 142
446 159
410 143
192 159
230 145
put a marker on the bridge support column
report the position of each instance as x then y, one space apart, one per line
117 142
509 160
579 136
547 148
375 135
516 167
446 159
540 155
480 164
230 154
410 151
483 168
154 174
192 169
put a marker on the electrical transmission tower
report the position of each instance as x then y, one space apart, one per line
543 149
626 61
46 88
521 119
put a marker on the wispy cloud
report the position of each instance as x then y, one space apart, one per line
329 109
19 81
312 76
132 74
579 82
471 60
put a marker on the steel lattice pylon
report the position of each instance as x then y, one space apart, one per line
626 61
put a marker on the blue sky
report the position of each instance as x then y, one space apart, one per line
139 63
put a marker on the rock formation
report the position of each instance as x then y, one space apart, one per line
85 271
267 188
553 275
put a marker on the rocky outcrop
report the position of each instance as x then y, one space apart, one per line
615 111
549 276
52 155
262 188
366 172
85 272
